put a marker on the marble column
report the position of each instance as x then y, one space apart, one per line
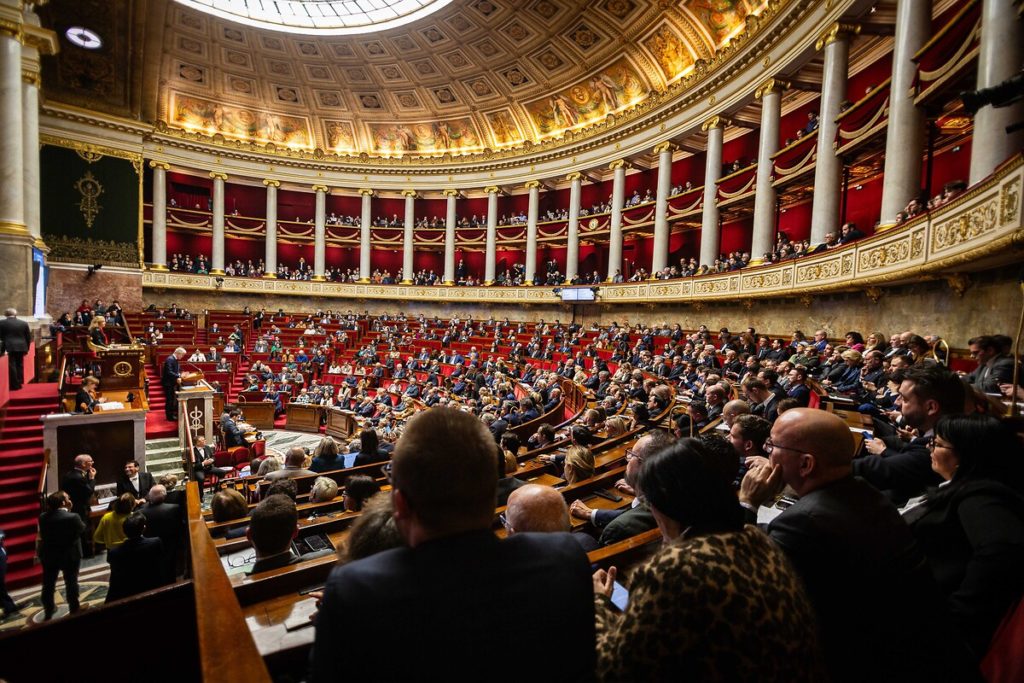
270 259
364 236
160 169
30 118
449 238
217 255
905 135
763 238
572 252
12 140
491 250
659 257
709 228
828 169
615 227
320 233
999 57
408 265
533 209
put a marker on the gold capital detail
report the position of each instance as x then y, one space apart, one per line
491 189
366 192
615 165
270 182
12 29
31 78
835 32
320 188
532 184
408 193
770 86
450 193
575 175
159 164
716 121
666 146
217 175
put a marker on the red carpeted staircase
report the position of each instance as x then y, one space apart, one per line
21 464
157 426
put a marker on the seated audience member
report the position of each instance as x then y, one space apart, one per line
358 489
135 565
373 532
862 569
164 521
694 612
510 446
325 456
619 525
456 585
535 508
994 366
971 528
110 531
747 436
203 464
506 482
272 528
579 465
284 487
271 463
732 410
227 505
293 465
324 489
369 448
903 469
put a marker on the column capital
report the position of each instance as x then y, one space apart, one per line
153 163
12 29
532 184
270 182
574 176
42 39
319 188
217 175
769 86
491 189
666 146
836 32
616 165
716 121
409 193
450 193
366 192
31 77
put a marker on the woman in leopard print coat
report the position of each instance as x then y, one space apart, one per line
718 602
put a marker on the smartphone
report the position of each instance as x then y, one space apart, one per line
620 596
867 435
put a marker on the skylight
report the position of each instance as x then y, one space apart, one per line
324 17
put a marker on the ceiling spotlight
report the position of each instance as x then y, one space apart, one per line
84 38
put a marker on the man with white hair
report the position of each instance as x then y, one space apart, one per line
15 338
170 378
164 521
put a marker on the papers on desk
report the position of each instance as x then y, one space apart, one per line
109 405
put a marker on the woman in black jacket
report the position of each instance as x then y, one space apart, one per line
971 528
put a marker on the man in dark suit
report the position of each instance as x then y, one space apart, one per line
202 462
879 612
80 483
163 521
455 585
232 434
170 380
798 389
6 601
134 481
135 564
541 509
903 469
15 338
60 550
994 367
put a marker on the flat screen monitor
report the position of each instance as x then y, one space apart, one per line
578 294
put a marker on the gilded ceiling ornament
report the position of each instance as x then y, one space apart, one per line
90 189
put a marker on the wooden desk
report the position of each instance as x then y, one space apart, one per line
341 424
304 417
260 414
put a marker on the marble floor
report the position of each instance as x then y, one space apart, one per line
279 440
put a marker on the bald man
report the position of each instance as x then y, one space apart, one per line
734 409
879 610
541 509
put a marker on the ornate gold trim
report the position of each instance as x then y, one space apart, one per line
158 268
13 228
666 146
366 191
218 175
42 39
31 78
159 164
12 29
616 165
320 188
716 121
450 193
271 182
409 193
771 85
835 32
532 185
89 148
572 177
491 189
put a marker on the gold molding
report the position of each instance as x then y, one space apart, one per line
716 121
666 146
13 228
616 165
218 175
89 148
30 77
491 189
771 85
409 193
574 176
320 188
450 193
12 29
835 32
159 164
42 39
270 182
532 185
365 191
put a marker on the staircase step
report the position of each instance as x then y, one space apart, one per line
10 431
24 442
12 483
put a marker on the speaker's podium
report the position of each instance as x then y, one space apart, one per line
195 409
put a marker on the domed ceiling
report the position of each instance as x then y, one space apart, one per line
471 75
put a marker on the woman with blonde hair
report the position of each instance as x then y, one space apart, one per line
271 463
614 426
110 530
579 464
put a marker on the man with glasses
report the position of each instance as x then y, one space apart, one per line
619 525
879 611
445 599
994 366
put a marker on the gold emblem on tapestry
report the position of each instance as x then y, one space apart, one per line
90 189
